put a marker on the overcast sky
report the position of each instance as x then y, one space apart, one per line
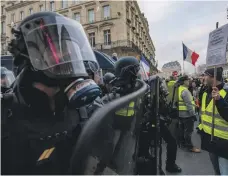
188 21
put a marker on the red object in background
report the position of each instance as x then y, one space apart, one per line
197 102
175 73
194 57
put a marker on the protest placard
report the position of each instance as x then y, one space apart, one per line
216 51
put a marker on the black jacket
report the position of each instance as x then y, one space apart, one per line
203 88
218 146
27 133
25 137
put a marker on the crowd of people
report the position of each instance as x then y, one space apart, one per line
195 97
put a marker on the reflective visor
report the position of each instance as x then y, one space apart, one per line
7 77
58 45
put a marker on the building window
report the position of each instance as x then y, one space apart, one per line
52 6
2 8
107 37
3 27
64 3
92 39
75 1
30 11
41 8
21 15
91 15
136 25
77 17
13 17
106 10
3 48
127 14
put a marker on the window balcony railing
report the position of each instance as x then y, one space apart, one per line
118 43
126 44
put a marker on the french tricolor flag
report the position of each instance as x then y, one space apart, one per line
189 55
145 65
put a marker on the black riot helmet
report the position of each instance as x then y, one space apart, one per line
108 77
126 71
127 67
53 44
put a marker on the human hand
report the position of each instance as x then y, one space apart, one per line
215 93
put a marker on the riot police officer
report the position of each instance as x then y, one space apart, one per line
165 120
107 79
126 69
53 84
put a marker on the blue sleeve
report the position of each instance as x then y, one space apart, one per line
222 106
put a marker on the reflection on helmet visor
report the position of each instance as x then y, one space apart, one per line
59 45
7 78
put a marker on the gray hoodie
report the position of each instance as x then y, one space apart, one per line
187 98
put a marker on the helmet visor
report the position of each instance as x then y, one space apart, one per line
7 77
58 45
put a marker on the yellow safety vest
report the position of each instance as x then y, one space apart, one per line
220 125
170 87
127 111
171 83
181 104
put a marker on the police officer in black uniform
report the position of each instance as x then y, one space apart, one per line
43 127
126 70
107 79
165 120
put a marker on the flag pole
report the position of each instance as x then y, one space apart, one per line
195 67
213 111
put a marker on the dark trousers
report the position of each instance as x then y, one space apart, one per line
186 126
171 144
215 163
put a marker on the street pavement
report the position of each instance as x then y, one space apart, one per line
191 163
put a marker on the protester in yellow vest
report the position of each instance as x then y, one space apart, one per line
187 115
170 87
218 149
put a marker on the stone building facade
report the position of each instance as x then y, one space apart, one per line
111 26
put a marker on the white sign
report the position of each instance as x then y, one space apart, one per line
216 51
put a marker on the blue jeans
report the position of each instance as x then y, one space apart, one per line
223 165
215 164
220 164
